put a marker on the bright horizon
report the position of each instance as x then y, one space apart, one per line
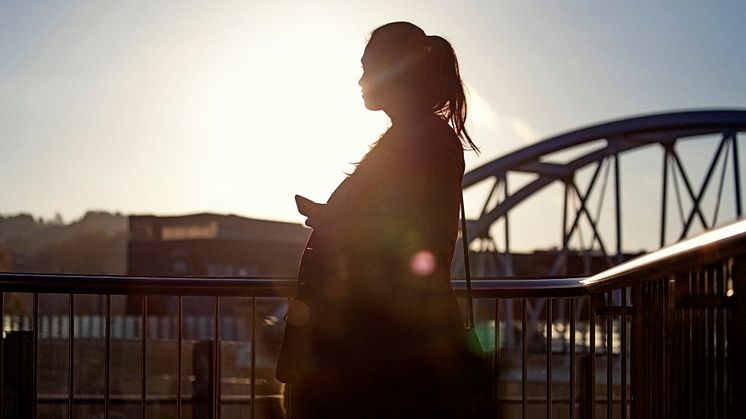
234 107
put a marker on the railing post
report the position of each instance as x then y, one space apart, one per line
18 386
179 330
638 361
571 389
587 368
202 389
584 388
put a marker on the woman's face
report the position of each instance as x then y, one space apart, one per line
375 82
389 79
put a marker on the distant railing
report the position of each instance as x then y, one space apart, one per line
688 324
659 336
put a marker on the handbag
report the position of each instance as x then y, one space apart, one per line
476 362
293 360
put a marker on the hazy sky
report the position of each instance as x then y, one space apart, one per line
234 106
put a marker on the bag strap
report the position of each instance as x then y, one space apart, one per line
467 270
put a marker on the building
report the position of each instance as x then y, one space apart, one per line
213 245
209 245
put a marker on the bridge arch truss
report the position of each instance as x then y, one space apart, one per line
597 151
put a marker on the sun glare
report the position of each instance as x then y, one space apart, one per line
289 115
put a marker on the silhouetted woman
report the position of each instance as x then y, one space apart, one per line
384 329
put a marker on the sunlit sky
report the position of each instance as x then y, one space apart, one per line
235 106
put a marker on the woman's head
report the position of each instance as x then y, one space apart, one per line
406 70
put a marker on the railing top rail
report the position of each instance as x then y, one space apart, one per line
259 287
134 285
501 287
708 247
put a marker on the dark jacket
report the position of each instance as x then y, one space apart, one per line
376 272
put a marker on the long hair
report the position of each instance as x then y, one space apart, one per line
428 64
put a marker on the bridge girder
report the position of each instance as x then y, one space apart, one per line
618 137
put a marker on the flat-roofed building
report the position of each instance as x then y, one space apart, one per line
213 245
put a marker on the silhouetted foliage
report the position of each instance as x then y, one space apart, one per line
86 253
96 243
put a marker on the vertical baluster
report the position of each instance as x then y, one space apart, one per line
636 358
2 353
35 352
107 356
735 336
684 360
719 341
179 316
660 349
688 324
496 366
649 345
680 365
663 347
572 359
696 350
143 354
648 354
709 373
652 358
524 356
653 351
289 388
673 348
690 354
711 339
549 359
715 290
699 356
712 408
738 275
670 349
591 359
216 361
71 357
623 355
654 343
701 367
609 359
253 357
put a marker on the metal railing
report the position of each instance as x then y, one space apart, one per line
202 374
659 336
688 324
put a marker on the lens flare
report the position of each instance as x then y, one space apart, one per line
422 263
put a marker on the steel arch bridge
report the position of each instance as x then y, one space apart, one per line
596 152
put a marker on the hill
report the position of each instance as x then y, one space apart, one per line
94 244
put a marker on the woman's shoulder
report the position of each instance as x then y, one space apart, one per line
429 135
431 147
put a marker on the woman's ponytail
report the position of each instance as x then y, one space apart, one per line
450 101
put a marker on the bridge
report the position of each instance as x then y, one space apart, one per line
660 335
